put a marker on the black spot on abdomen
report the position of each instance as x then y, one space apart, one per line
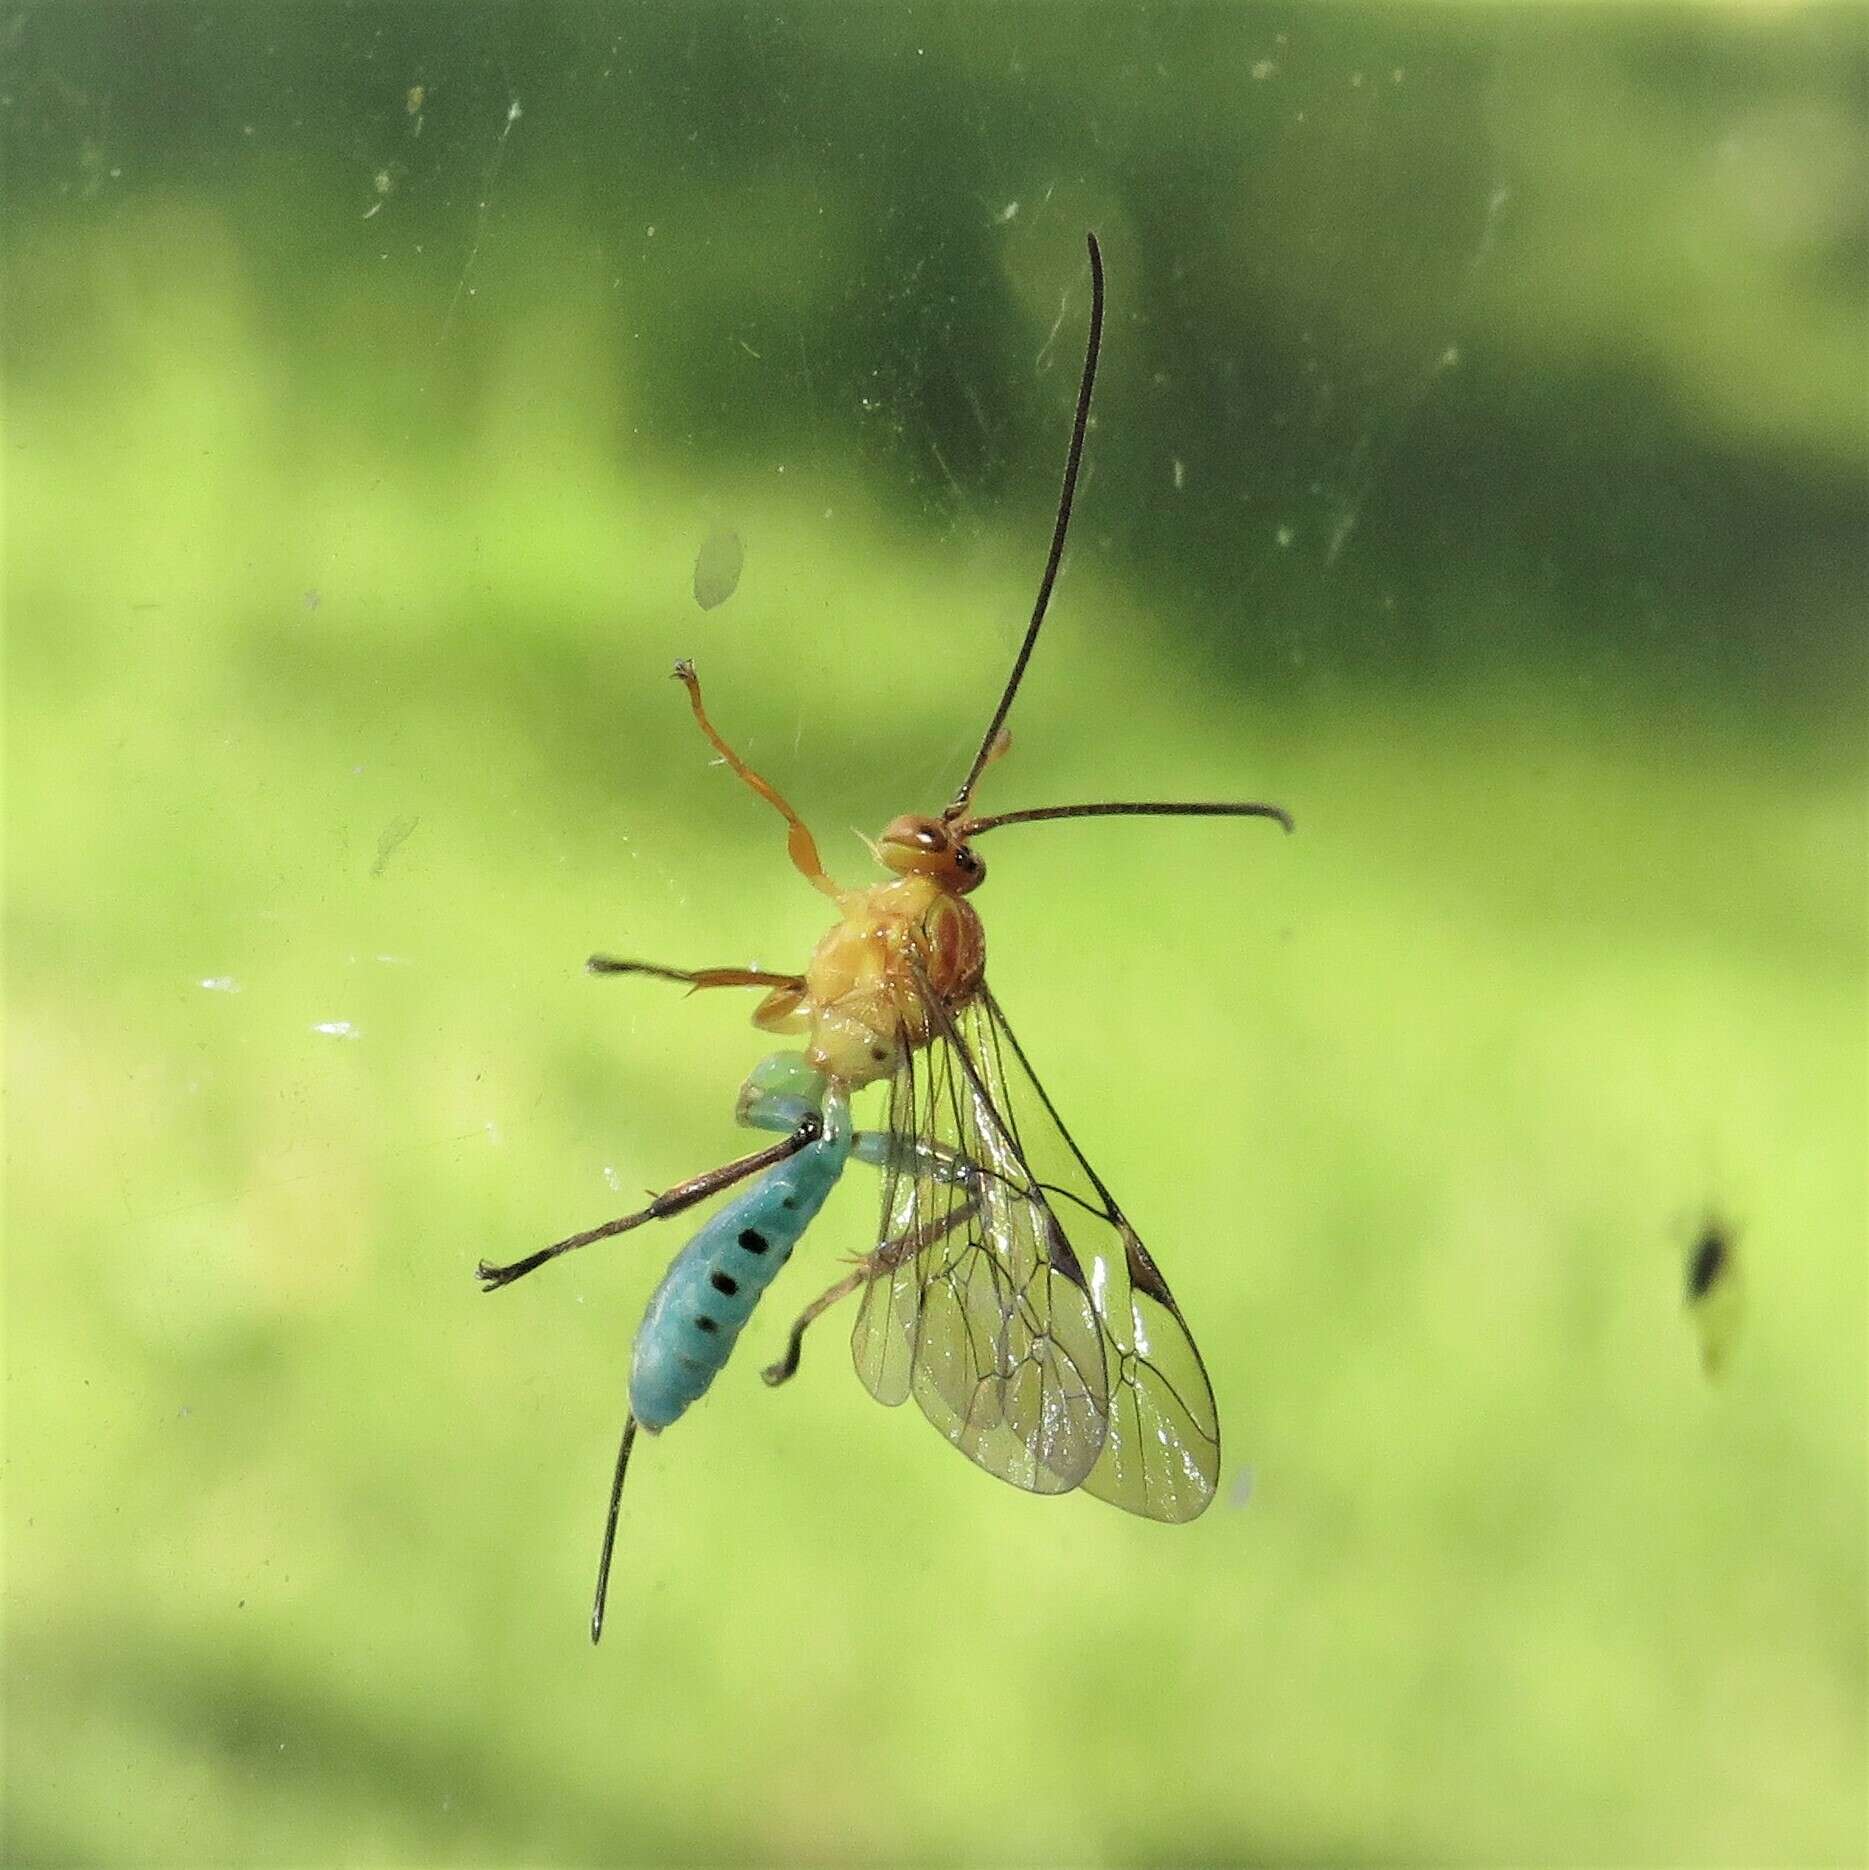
753 1240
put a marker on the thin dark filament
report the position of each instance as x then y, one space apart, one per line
670 1202
610 1526
694 977
1130 808
609 964
1053 559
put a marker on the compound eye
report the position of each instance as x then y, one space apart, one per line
968 863
913 845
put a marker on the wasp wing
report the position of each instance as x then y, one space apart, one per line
983 1316
980 1310
1161 1451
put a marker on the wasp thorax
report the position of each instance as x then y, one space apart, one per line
913 846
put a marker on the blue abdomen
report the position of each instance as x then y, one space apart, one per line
689 1330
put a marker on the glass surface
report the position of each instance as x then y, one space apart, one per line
392 394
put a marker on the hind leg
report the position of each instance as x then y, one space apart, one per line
873 1265
808 1129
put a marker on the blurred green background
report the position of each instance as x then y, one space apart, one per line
1478 470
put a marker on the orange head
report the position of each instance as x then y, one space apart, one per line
914 846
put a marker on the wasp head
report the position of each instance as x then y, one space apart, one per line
925 847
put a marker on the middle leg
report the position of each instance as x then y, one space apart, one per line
697 978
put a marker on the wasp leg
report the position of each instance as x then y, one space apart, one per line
885 1149
809 1128
881 1149
697 978
799 842
873 1265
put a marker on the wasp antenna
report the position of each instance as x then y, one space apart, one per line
610 1526
1131 808
1067 493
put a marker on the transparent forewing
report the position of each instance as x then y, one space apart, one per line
1028 1216
980 1310
1160 1444
1161 1452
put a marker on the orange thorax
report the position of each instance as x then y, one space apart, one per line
864 998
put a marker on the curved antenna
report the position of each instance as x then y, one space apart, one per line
610 1525
1130 808
1065 496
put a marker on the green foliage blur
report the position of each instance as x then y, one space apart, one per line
1478 470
